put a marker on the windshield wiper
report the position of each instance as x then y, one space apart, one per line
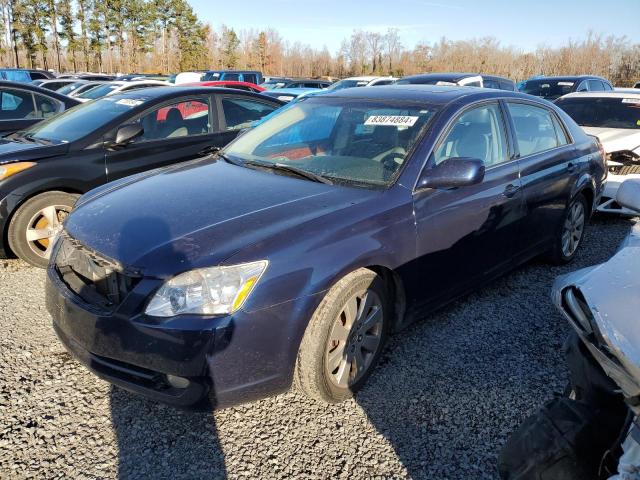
44 141
291 169
221 155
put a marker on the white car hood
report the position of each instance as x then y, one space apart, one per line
616 139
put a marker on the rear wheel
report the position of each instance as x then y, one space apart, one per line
344 338
571 233
36 222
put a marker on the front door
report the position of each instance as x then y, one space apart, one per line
176 132
468 234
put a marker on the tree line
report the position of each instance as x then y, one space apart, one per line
165 36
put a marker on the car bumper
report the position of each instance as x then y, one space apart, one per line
608 202
226 360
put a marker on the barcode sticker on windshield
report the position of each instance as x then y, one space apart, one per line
391 120
128 102
565 84
631 100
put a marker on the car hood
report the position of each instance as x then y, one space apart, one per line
10 150
616 139
197 214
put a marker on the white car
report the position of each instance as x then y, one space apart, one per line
366 81
112 88
613 117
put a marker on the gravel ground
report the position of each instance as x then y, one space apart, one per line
447 394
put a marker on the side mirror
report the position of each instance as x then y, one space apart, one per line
127 133
453 172
628 194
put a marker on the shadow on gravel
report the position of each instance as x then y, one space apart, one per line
161 442
156 441
452 387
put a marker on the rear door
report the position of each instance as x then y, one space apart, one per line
174 131
469 233
548 168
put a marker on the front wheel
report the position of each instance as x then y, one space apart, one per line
571 233
36 222
344 338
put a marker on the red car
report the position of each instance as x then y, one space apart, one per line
252 87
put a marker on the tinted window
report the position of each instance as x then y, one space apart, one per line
510 86
477 133
16 104
348 140
240 113
583 86
382 82
181 119
45 106
534 127
603 112
596 86
99 91
549 89
231 77
491 83
250 77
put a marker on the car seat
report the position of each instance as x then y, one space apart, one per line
174 125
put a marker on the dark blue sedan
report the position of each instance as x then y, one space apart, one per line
289 256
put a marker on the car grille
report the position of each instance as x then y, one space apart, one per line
98 281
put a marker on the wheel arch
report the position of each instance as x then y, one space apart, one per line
395 287
21 202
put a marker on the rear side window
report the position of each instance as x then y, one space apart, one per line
477 133
510 86
16 104
240 112
491 84
250 77
534 128
596 86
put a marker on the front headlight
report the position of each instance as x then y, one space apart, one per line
207 291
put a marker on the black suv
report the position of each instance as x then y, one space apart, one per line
460 79
552 88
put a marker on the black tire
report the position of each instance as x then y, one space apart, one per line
28 217
558 255
312 372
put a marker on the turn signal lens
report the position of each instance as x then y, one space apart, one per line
9 169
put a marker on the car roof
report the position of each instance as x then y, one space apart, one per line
446 76
169 92
614 94
568 77
367 78
432 94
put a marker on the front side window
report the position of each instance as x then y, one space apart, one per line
477 133
354 142
240 113
46 107
534 128
180 119
605 112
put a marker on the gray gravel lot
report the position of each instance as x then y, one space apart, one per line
448 392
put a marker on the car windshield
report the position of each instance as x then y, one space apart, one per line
603 112
355 142
79 121
548 89
99 91
67 89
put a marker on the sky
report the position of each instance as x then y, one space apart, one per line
522 24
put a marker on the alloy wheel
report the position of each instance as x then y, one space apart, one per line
572 229
354 339
43 226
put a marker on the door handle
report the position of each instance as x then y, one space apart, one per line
510 190
571 166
